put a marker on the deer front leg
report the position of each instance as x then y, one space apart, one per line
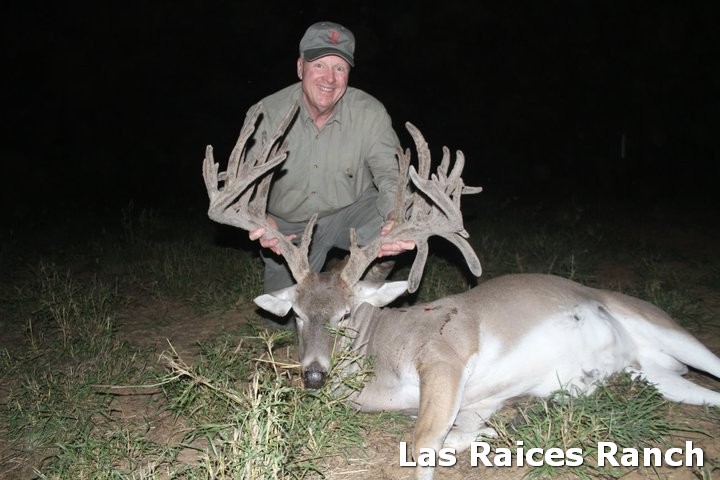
470 423
441 388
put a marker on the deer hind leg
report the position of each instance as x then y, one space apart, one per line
676 388
665 372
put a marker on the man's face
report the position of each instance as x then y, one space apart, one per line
324 82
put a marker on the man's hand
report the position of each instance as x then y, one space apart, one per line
393 248
265 241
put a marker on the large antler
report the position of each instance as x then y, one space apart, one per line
433 209
238 196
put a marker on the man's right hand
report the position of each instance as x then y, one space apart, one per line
267 241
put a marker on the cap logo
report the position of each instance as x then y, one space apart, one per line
334 37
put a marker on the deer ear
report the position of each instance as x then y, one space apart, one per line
378 294
278 302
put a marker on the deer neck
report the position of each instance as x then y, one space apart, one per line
364 321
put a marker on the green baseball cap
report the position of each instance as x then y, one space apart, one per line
328 38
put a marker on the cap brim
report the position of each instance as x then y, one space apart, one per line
315 53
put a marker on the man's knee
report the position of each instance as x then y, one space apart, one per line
276 274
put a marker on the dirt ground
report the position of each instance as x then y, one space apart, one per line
158 325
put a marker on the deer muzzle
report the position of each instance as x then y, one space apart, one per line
314 376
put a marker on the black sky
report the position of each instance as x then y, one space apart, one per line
108 102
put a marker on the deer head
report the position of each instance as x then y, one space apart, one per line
425 205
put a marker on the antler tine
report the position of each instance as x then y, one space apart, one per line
237 154
432 209
402 202
241 199
423 150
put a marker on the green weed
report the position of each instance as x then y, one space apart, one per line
630 413
257 423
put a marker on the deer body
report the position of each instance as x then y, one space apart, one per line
455 361
526 334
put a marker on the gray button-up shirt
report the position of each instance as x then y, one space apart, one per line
329 169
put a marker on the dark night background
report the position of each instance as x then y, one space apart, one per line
562 101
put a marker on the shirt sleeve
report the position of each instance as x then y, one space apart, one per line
382 161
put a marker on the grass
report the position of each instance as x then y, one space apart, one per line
80 401
246 404
53 411
628 412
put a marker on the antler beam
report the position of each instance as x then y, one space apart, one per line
432 209
238 196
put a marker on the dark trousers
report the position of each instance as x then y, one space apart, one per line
332 231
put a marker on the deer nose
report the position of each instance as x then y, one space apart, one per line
314 376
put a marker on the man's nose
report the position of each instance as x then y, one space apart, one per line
329 75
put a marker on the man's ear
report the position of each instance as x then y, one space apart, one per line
378 294
299 67
278 302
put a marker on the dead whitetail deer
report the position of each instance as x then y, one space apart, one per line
455 361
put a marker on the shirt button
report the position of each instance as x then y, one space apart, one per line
312 193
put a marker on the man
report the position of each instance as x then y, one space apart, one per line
341 160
